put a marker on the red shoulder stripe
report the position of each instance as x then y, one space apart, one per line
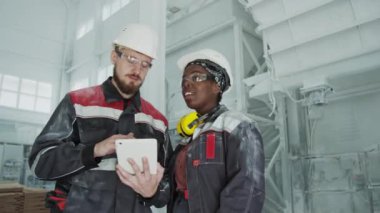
149 109
93 96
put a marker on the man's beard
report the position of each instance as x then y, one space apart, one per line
123 87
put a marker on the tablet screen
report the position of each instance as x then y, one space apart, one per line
136 149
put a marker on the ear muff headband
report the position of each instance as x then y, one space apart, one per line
187 124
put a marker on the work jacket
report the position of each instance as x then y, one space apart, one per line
224 166
64 150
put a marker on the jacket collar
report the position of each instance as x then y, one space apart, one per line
215 112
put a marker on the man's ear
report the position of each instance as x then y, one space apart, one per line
114 57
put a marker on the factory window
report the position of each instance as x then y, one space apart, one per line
9 90
25 94
111 7
85 28
44 93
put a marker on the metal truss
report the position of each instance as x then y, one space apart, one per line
278 184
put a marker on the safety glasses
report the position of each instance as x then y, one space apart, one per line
196 78
133 60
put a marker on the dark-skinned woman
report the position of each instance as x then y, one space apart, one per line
220 167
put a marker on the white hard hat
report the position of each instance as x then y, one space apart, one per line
208 54
140 38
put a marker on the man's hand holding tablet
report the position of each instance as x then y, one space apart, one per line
137 165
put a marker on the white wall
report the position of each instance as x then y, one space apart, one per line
32 41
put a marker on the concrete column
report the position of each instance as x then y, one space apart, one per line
153 13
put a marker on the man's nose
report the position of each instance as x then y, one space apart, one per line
137 69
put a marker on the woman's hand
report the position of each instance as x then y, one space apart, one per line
144 183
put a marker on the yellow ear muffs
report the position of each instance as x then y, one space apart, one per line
187 124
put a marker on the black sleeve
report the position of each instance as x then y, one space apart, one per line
57 152
245 190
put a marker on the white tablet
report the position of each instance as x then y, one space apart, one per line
136 149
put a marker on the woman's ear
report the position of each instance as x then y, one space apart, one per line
216 88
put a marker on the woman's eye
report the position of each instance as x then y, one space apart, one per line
195 78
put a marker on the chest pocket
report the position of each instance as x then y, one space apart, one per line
211 149
93 130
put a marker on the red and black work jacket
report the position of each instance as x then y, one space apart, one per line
64 149
224 166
